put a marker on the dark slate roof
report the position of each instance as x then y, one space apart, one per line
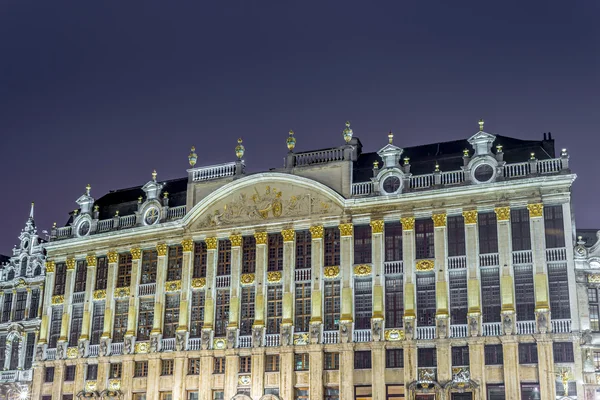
449 155
588 235
4 259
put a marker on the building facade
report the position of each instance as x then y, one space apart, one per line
21 288
442 271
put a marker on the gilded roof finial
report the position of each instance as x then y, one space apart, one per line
54 225
87 189
391 137
166 195
239 149
375 164
140 199
347 132
154 175
481 125
291 141
193 157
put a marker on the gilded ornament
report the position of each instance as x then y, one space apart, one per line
597 379
502 213
50 264
91 260
301 339
362 270
274 276
377 226
536 210
72 352
219 343
593 278
239 149
347 132
244 380
331 272
260 237
136 253
187 245
247 279
198 283
112 256
58 299
99 294
142 347
408 223
346 229
291 141
21 284
91 386
425 265
211 243
236 240
162 249
173 286
70 263
288 235
114 384
393 335
470 217
192 157
439 220
122 292
316 231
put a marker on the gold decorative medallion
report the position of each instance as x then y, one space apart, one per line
408 223
288 235
99 294
536 210
22 284
142 347
187 244
114 384
362 270
593 278
58 299
50 264
394 335
244 380
162 249
274 276
122 292
173 286
247 279
198 283
346 229
91 386
70 263
136 253
502 213
261 237
316 231
219 343
211 243
112 256
331 272
425 265
301 339
72 352
470 217
439 220
236 240
377 226
91 260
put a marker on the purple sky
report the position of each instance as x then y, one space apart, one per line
104 92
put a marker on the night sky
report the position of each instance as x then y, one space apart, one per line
103 92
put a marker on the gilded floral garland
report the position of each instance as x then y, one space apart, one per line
99 294
247 279
274 276
198 283
173 286
393 335
470 216
362 270
316 231
122 292
425 265
331 272
502 213
58 299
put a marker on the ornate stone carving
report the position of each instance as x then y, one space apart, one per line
231 337
346 229
212 243
58 299
122 292
473 324
112 256
206 337
286 335
362 270
61 350
442 327
247 279
377 329
377 226
301 339
219 343
142 347
408 223
331 272
394 335
50 264
187 245
345 332
274 276
425 265
502 213
70 263
91 260
162 249
593 278
198 283
40 354
461 374
72 352
261 237
288 235
315 333
105 349
541 317
536 210
114 384
128 345
99 294
470 217
409 327
507 324
180 340
173 286
316 231
439 220
82 348
236 240
155 343
136 253
426 375
257 336
91 386
244 380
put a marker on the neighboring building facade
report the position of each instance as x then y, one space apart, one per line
442 271
21 287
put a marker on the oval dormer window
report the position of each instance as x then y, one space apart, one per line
84 228
392 184
483 173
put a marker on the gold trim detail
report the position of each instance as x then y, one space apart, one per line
247 279
58 299
50 264
99 294
244 380
261 237
593 278
346 229
219 343
274 276
377 226
122 292
425 265
91 260
536 210
301 339
288 235
173 286
502 213
162 249
236 240
211 243
70 263
316 231
187 244
393 335
439 220
470 217
114 384
112 256
362 270
198 283
408 223
142 348
331 272
91 386
72 352
136 253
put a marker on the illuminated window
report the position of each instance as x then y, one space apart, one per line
149 265
200 259
275 252
274 308
124 270
302 310
197 314
174 263
303 249
594 309
145 319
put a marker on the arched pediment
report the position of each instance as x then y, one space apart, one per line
241 396
264 197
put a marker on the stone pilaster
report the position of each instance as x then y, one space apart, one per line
27 303
127 377
477 360
234 303
546 367
206 376
346 263
377 371
410 362
69 286
540 277
507 288
212 244
232 363
80 375
154 371
289 265
136 263
317 260
286 372
440 241
569 244
87 305
113 258
377 251
46 300
161 279
315 361
57 387
473 287
510 352
187 246
260 276
179 375
408 256
258 372
346 371
444 360
103 370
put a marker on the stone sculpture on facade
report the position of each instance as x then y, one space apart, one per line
473 325
507 324
442 328
315 333
377 329
345 332
286 335
542 321
231 338
257 335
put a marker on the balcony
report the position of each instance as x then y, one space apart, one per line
51 354
168 344
492 328
78 297
302 275
425 332
362 335
459 331
561 325
245 342
457 262
93 350
194 344
213 172
147 289
556 255
393 267
522 257
272 340
223 281
16 376
489 260
116 348
331 337
525 327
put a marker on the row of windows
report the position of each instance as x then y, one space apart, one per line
18 310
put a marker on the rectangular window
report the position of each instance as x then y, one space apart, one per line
530 391
120 322
362 244
362 359
393 241
222 312
331 243
519 226
272 363
29 349
166 367
67 397
55 323
424 238
8 298
394 358
194 366
427 357
140 369
458 297
490 286
139 396
166 396
395 392
60 277
456 235
20 305
596 360
528 353
426 299
35 304
145 319
171 315
92 372
80 276
301 394
224 258
488 233
49 397
219 365
76 321
124 270
594 309
332 361
524 292
247 311
460 356
495 392
332 393
275 252
249 254
274 308
116 370
197 314
174 263
218 395
558 283
2 349
363 393
200 259
101 273
149 265
97 322
363 299
303 249
49 374
331 302
301 361
554 227
245 364
563 352
394 302
493 354
192 395
302 310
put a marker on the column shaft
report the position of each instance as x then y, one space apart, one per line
89 288
346 263
136 265
289 264
317 260
161 280
109 305
186 283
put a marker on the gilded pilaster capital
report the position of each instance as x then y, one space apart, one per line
408 223
136 253
50 265
536 210
470 217
346 229
91 260
377 226
236 240
161 249
439 220
211 243
316 231
288 235
261 237
502 213
187 245
70 263
112 256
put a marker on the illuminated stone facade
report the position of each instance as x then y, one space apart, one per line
442 271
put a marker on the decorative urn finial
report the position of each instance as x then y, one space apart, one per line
154 175
481 125
239 149
193 157
347 132
391 137
87 189
291 141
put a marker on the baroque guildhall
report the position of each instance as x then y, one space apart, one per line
448 271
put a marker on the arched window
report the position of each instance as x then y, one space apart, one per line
14 354
11 275
24 266
37 271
